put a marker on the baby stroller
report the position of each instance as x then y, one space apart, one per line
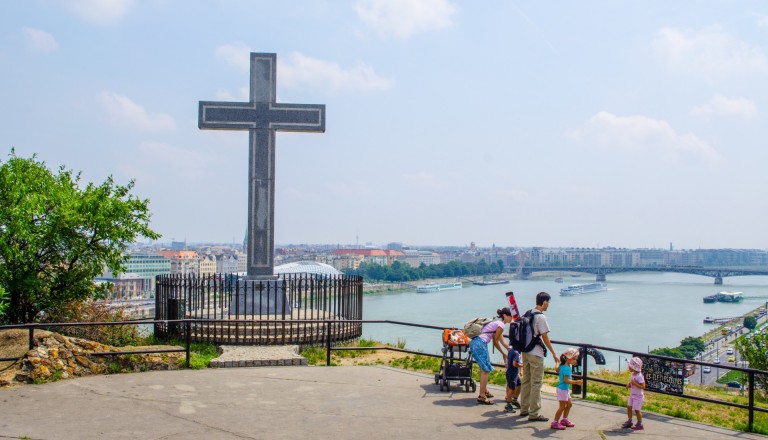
453 366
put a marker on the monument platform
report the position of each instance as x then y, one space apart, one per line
370 402
258 356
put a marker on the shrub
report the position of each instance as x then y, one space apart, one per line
96 311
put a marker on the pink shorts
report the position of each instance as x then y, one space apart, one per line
563 395
635 402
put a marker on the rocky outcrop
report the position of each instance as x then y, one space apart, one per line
57 357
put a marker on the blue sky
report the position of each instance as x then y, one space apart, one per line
515 123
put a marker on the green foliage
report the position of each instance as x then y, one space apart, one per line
666 351
418 363
57 236
401 272
201 354
96 311
750 322
3 302
755 351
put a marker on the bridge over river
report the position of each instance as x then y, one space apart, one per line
600 272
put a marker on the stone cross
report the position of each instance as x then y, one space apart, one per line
261 116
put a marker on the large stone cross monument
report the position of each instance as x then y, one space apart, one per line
262 117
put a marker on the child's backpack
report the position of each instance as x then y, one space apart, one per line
521 333
474 327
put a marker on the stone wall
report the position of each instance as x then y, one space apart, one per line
58 357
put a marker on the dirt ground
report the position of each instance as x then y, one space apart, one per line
13 343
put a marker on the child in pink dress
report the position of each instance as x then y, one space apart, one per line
636 386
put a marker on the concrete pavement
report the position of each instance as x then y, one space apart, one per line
360 402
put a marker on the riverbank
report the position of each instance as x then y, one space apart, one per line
411 285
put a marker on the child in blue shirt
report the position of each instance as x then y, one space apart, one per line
565 373
514 371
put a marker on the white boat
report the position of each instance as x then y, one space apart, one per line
426 288
578 289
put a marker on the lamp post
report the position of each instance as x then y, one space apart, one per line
701 367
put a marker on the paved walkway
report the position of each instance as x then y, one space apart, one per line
296 402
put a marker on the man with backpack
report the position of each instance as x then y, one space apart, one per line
533 361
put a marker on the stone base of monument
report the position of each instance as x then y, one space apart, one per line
274 329
259 297
264 356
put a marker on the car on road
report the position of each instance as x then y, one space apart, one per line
731 358
733 384
706 369
716 360
729 350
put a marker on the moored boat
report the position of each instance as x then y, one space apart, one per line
490 282
710 299
426 288
578 289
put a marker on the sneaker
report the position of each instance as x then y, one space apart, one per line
556 425
515 403
509 408
567 423
638 427
627 424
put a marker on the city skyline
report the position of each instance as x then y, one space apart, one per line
521 124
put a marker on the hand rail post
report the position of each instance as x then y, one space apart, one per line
328 344
751 400
584 374
31 336
188 337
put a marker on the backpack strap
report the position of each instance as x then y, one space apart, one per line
539 342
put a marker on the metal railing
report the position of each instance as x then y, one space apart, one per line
328 333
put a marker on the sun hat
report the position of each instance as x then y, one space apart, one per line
571 353
635 363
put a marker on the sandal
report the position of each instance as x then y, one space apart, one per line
484 400
488 395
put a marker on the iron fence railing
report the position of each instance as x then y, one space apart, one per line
325 327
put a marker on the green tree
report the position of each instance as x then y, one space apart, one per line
755 351
666 351
750 322
3 302
696 345
56 236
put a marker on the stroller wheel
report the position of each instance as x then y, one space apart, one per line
437 379
474 386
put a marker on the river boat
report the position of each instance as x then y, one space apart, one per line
730 297
559 279
709 320
490 282
578 289
710 299
426 288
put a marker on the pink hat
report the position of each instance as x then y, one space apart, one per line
571 353
635 363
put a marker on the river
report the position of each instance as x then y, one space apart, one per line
640 311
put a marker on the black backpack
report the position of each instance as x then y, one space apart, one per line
521 333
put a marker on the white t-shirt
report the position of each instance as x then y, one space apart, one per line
540 327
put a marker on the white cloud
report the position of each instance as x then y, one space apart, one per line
721 106
149 164
404 18
711 53
762 20
123 112
101 12
237 54
300 69
39 41
640 133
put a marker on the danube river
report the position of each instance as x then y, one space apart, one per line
640 311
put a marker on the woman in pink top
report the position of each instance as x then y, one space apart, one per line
494 330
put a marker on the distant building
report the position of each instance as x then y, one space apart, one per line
207 265
373 256
145 265
126 286
183 262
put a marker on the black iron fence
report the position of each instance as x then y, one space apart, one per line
331 329
227 309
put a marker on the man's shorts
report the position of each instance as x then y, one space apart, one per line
635 402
